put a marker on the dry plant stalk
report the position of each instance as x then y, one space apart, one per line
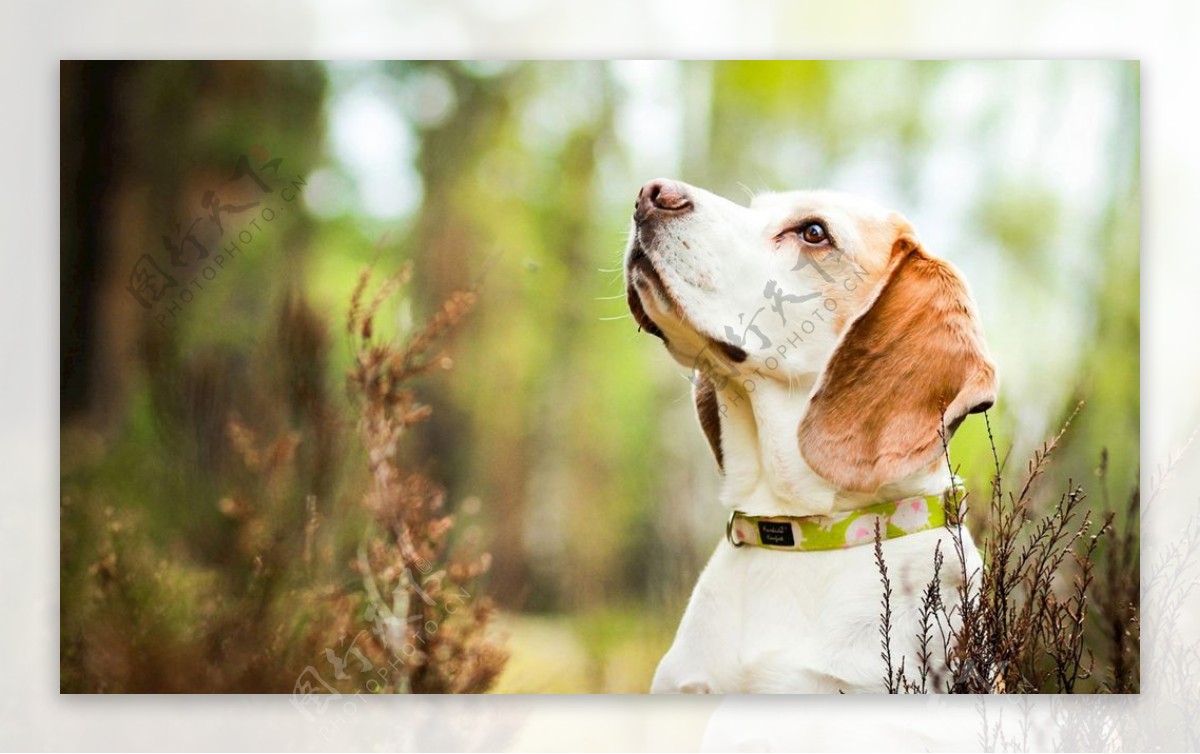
420 595
265 588
1022 623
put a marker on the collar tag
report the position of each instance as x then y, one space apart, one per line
776 533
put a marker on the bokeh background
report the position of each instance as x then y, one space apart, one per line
564 438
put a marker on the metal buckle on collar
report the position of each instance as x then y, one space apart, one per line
729 529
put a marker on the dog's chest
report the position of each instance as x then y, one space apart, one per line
809 621
814 606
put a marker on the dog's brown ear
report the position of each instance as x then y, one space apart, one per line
913 358
704 392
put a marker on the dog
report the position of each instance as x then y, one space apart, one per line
832 358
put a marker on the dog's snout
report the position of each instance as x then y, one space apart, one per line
661 197
666 195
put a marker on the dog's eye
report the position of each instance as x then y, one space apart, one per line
814 234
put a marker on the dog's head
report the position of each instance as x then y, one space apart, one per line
821 289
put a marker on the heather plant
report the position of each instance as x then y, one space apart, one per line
1041 611
1168 593
278 541
416 589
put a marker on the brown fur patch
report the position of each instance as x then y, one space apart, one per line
704 392
916 352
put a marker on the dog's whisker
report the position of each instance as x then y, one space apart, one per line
684 396
613 319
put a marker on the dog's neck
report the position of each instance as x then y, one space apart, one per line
764 473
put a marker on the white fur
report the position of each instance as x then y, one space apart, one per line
761 620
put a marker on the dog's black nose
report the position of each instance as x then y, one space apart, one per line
660 198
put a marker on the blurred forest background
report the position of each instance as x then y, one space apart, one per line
565 440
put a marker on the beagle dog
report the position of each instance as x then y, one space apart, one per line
831 358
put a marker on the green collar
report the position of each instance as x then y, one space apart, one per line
840 530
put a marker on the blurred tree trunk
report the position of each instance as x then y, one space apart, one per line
591 573
451 249
90 168
142 143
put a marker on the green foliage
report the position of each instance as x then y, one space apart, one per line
573 430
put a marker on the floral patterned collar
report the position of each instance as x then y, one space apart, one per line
840 530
